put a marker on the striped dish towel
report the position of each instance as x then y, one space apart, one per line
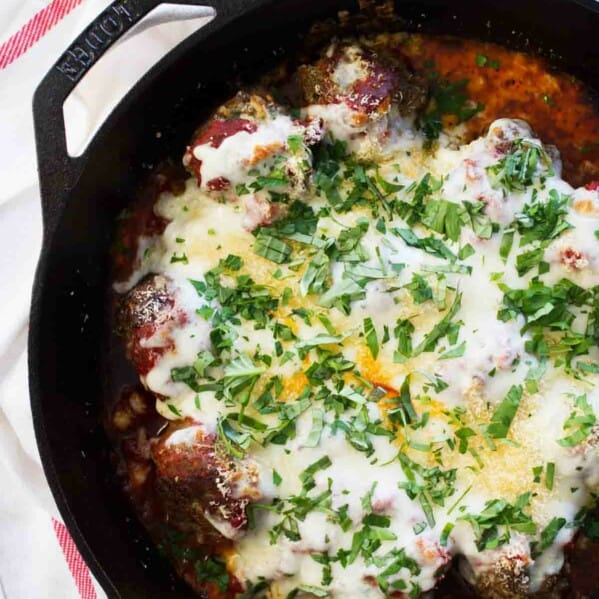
38 558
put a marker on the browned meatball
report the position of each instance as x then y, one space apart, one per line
149 310
366 81
262 143
199 484
243 112
505 579
502 574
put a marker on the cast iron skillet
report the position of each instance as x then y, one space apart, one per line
69 365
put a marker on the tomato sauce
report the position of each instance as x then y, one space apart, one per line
512 84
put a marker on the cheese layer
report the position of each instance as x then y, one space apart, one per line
424 382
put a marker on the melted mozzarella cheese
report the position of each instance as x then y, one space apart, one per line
494 359
237 154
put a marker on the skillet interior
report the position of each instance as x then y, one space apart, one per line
71 371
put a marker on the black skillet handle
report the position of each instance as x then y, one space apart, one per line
58 171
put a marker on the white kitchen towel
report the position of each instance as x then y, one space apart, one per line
38 559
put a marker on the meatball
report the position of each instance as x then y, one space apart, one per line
507 578
501 573
199 484
367 82
360 94
147 315
252 136
582 562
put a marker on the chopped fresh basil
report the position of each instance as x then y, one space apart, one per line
419 289
445 534
430 245
549 533
492 526
371 337
550 475
504 413
317 425
518 169
440 330
272 248
240 377
579 424
454 352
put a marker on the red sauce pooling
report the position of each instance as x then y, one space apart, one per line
218 130
557 106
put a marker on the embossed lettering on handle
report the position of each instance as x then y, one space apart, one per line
105 29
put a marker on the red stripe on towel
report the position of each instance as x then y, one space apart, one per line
77 566
34 29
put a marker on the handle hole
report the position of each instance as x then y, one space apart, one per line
108 81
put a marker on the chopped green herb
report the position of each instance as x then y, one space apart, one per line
430 245
187 375
506 244
466 252
413 210
235 442
182 258
543 221
403 412
316 276
341 294
493 525
419 527
528 260
454 352
445 534
419 289
174 410
307 475
549 533
441 329
403 333
580 423
309 589
317 425
550 475
371 337
240 376
504 413
444 217
517 170
272 248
